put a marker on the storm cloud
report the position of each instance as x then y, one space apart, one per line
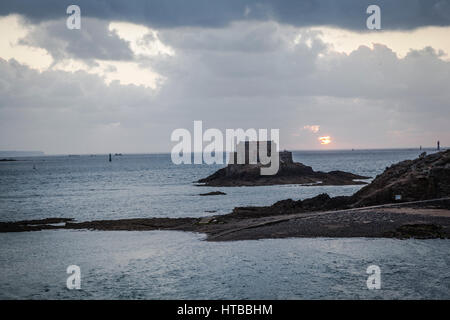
93 41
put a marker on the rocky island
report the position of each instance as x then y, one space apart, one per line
409 199
289 172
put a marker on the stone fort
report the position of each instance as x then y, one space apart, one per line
247 146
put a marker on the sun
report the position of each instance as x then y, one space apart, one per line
325 140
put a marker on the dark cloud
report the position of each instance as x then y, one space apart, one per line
93 41
280 67
350 14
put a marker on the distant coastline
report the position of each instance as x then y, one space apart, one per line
16 153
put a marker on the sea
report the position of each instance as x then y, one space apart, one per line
182 265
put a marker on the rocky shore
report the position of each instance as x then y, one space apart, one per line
410 199
422 220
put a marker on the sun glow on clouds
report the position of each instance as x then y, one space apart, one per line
144 42
13 28
400 41
324 139
312 128
315 129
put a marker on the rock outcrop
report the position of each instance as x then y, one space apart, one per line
213 193
235 175
427 177
245 167
322 202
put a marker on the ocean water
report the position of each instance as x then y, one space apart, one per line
163 264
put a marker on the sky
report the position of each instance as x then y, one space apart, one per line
138 70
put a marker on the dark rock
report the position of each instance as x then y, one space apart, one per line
32 225
417 231
213 193
322 202
289 173
419 179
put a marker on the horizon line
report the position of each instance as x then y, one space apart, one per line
168 152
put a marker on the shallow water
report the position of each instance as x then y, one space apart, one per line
177 265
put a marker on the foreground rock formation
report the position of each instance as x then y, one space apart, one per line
426 177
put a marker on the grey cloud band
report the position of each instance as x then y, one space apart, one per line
348 14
